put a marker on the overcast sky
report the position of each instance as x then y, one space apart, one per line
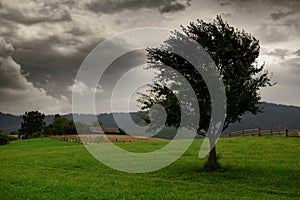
43 43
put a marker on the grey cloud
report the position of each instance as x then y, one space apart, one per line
40 59
281 53
34 16
280 15
288 27
291 5
19 95
5 49
114 73
294 63
224 3
120 66
292 23
8 29
226 15
272 34
112 6
172 8
297 52
78 31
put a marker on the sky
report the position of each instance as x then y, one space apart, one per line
43 43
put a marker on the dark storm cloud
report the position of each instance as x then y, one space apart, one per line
41 14
47 65
55 71
281 53
112 6
17 93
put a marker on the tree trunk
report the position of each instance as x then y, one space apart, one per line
212 163
212 158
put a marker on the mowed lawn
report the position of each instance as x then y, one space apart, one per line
255 168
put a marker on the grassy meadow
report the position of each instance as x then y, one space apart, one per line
254 168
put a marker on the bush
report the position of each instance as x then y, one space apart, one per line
4 139
35 135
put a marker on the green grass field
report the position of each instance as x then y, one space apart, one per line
255 168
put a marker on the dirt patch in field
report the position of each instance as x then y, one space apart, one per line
98 138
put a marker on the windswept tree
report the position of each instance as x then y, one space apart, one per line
235 54
33 122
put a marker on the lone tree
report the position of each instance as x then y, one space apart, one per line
33 122
235 54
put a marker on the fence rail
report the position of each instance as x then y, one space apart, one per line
90 138
259 132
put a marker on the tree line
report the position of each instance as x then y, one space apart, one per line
33 125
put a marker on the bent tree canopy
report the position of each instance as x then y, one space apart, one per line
235 54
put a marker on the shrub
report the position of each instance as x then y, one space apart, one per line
4 139
35 135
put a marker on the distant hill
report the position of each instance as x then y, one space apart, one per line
9 122
274 116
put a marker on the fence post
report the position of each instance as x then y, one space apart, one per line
286 132
258 131
229 134
271 132
242 133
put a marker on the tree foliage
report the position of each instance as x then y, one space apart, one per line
4 139
60 126
33 122
235 54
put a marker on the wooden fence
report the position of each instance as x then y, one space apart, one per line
259 132
69 138
90 138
